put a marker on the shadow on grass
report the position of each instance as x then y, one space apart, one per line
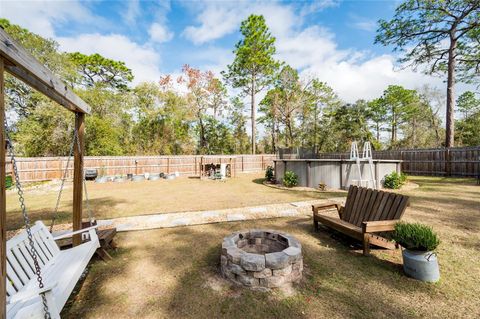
174 273
100 206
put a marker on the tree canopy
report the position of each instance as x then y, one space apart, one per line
254 65
442 36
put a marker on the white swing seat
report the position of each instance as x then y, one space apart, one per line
60 270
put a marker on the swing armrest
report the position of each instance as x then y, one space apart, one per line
70 234
31 293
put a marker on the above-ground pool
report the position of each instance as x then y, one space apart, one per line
334 173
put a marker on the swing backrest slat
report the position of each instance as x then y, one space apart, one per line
20 265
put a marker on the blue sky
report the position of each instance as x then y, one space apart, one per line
328 39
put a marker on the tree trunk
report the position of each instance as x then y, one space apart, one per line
414 132
378 131
315 115
450 128
254 113
394 129
203 143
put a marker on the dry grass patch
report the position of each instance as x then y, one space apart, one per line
112 200
173 273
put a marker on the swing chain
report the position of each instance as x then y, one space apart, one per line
62 184
33 251
75 141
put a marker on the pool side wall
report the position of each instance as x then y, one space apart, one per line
335 173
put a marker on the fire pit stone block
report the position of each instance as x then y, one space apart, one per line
261 259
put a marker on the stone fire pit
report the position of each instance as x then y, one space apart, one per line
261 259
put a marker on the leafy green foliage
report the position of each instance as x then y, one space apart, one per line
468 104
394 180
415 236
269 173
97 70
440 36
290 179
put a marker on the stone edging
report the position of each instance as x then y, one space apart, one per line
144 222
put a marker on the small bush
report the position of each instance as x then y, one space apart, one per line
269 173
290 179
8 182
394 180
415 236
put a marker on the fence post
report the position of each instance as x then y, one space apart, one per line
242 164
195 157
308 173
263 164
448 164
168 165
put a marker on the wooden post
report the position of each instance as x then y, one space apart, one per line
3 204
168 165
448 163
78 177
242 165
195 158
308 172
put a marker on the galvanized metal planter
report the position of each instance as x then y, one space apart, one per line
421 265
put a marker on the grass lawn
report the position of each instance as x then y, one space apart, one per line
173 273
112 200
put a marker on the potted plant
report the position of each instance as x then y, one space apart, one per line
419 257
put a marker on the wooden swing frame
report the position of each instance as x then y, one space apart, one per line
15 60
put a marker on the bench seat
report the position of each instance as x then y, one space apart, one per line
366 216
60 272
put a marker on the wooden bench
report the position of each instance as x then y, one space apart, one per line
60 270
366 216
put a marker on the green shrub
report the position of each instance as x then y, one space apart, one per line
394 180
269 173
415 236
290 179
8 182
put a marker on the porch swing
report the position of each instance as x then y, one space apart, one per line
40 276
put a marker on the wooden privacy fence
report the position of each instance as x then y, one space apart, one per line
32 169
455 161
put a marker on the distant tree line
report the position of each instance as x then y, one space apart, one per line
194 113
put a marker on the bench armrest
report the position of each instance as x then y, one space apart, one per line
318 207
70 234
31 293
379 225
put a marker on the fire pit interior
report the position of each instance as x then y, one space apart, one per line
261 259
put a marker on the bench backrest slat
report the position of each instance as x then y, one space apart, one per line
364 204
20 265
349 204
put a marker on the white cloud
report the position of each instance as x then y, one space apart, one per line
365 25
353 74
215 22
313 50
159 33
132 11
42 16
142 59
362 23
317 6
220 19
